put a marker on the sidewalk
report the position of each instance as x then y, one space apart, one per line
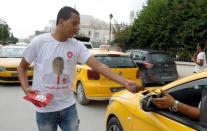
185 68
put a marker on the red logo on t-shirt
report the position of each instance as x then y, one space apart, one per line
70 54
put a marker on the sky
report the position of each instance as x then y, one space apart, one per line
26 16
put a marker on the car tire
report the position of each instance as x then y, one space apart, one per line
114 125
81 97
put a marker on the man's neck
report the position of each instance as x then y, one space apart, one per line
59 36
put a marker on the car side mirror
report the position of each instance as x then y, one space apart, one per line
203 113
146 103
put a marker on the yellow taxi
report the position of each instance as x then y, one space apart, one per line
90 85
136 112
10 57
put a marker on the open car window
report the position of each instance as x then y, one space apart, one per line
188 93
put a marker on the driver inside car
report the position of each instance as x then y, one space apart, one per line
167 101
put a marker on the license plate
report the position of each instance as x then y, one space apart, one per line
117 89
14 74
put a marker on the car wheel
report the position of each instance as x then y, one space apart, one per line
81 94
114 125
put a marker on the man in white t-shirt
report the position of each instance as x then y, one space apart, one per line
199 57
46 48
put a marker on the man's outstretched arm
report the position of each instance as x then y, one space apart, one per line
107 72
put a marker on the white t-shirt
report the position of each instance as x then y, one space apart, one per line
43 50
200 56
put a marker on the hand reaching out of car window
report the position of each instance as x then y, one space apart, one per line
164 102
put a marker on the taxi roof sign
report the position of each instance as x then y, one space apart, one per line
105 47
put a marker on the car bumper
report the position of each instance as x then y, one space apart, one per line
102 91
161 78
12 77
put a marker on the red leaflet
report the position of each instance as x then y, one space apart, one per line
38 99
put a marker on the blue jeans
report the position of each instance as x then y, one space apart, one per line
67 119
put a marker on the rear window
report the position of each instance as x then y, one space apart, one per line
160 57
116 61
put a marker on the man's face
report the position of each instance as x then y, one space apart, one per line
198 48
71 26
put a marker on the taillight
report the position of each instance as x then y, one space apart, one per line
93 75
148 65
138 74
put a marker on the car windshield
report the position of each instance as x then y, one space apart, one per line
160 57
11 52
116 61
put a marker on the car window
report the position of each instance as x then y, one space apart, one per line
138 55
11 52
160 57
189 93
116 61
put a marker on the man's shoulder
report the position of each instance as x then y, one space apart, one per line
76 42
73 40
42 37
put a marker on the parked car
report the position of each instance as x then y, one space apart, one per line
85 41
10 57
90 85
135 112
155 66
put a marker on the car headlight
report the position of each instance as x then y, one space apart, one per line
2 69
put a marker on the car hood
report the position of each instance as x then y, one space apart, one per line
10 62
125 94
133 99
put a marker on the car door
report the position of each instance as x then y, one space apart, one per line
163 119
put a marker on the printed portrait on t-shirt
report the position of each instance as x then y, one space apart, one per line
57 79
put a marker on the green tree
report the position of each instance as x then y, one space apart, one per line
171 25
5 35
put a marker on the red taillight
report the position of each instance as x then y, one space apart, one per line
93 75
148 65
138 74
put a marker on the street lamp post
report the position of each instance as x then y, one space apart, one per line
110 16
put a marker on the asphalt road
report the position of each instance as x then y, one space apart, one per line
19 115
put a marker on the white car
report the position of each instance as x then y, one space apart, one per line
88 44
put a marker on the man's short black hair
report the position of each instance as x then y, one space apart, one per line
202 44
65 13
